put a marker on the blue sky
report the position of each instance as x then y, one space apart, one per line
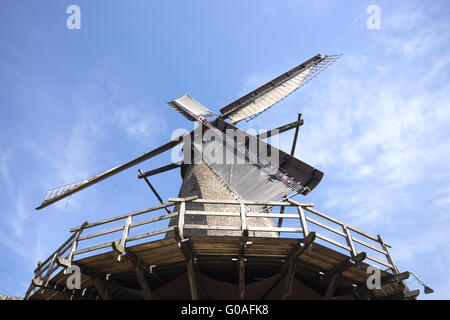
74 103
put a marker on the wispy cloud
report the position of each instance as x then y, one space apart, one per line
381 134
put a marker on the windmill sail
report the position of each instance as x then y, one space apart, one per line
248 107
59 193
188 106
263 98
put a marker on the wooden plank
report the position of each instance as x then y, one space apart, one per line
320 214
274 215
367 235
56 251
368 245
207 227
151 220
187 199
92 248
101 233
340 245
320 224
248 203
212 213
150 234
123 216
276 229
380 261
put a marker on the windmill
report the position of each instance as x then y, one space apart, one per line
245 108
222 223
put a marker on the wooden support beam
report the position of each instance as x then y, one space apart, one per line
241 278
394 278
241 259
287 269
412 294
70 294
402 295
192 278
136 260
102 282
363 293
143 282
102 287
242 245
331 286
186 248
337 271
292 262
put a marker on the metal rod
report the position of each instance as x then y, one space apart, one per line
159 170
294 143
286 127
153 189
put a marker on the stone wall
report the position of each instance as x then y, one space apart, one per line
201 181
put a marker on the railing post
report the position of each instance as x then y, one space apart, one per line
49 271
348 238
243 244
303 221
389 259
32 286
243 217
75 242
67 262
388 255
181 213
123 240
302 216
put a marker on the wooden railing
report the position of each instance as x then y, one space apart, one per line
306 216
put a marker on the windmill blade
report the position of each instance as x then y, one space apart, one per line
59 193
256 102
188 106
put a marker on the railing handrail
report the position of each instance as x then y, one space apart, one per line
50 265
